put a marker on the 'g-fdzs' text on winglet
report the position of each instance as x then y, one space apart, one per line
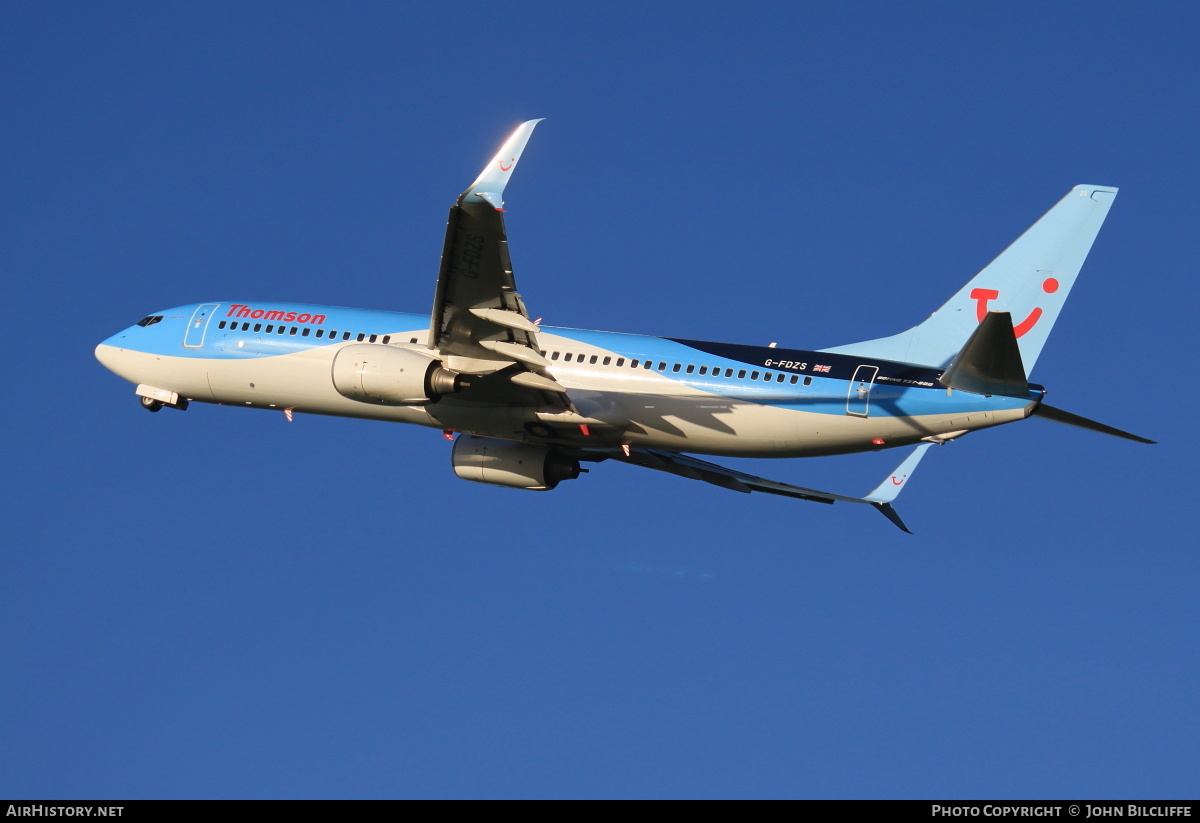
489 186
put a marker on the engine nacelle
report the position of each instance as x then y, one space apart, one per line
508 463
389 376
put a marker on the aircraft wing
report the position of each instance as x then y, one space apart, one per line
690 467
479 324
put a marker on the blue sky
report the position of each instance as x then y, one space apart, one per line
222 604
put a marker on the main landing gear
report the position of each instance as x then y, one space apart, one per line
150 404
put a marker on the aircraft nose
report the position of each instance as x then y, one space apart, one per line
110 351
105 352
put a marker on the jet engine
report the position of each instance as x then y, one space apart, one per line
389 376
508 463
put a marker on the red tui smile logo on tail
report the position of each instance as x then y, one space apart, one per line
984 296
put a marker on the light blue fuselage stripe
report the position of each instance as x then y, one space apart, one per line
825 395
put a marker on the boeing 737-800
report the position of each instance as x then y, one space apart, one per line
527 404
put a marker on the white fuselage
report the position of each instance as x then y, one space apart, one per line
625 389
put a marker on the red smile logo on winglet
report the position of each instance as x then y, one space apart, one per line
985 296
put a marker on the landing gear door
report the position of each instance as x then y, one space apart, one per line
193 338
858 399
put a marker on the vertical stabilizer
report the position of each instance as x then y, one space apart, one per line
1030 280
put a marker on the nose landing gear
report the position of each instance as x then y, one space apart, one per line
153 399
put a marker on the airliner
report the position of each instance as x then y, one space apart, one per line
527 404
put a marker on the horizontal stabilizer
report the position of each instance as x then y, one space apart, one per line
990 362
1060 416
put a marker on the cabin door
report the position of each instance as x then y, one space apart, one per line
193 338
858 399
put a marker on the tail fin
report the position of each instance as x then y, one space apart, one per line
1030 279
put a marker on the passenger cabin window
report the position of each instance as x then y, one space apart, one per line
387 338
293 331
675 368
593 359
633 364
703 370
553 355
258 326
320 332
690 368
606 361
305 332
362 335
808 380
741 374
345 335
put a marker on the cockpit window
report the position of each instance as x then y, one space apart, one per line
150 321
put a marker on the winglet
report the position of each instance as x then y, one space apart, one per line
887 491
887 511
489 186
